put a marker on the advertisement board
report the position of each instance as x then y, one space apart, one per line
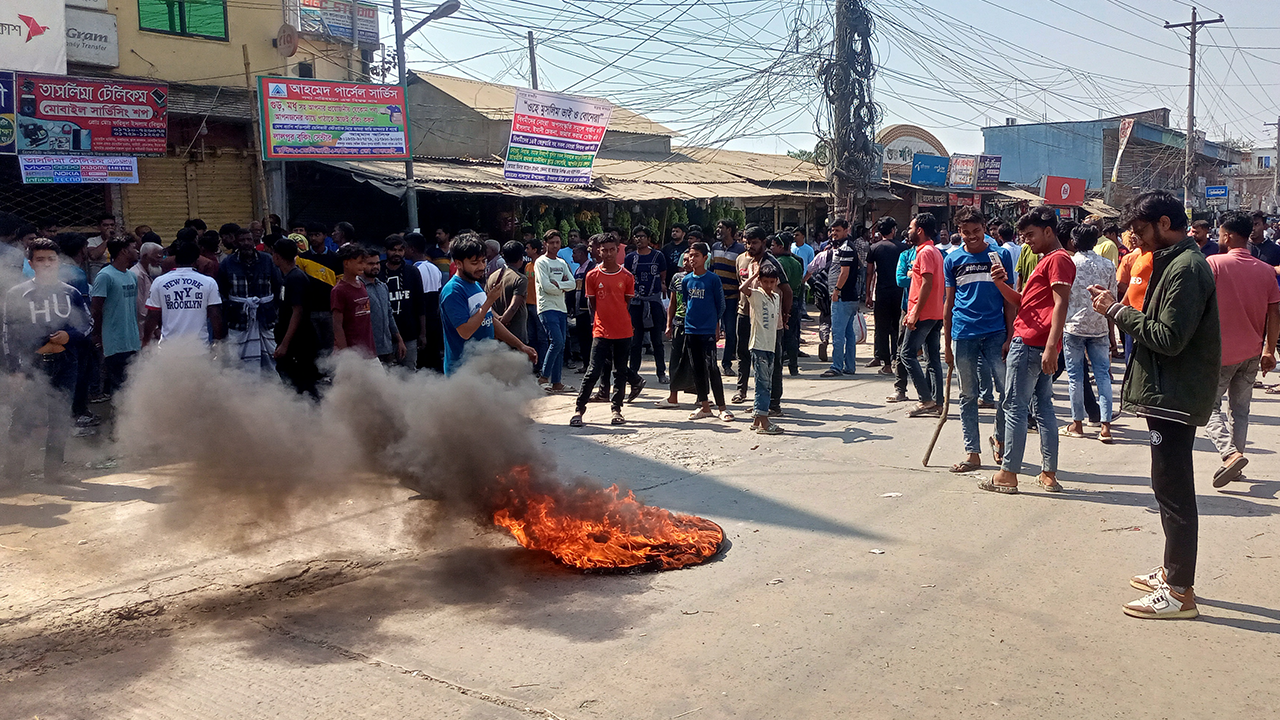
77 169
555 137
988 178
1064 192
33 36
92 38
320 119
932 199
1126 131
333 18
929 170
963 169
8 128
90 116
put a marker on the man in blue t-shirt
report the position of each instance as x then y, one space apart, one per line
464 306
979 321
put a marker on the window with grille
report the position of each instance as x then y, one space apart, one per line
193 18
68 206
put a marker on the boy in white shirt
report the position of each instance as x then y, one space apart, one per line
761 290
554 279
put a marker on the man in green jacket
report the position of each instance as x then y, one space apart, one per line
1171 382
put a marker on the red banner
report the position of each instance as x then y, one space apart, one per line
59 115
1064 192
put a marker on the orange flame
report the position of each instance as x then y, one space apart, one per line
593 528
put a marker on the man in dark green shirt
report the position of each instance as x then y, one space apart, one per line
793 268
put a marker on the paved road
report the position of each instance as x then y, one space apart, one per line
979 606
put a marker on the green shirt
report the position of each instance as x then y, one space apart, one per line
1027 262
794 268
677 297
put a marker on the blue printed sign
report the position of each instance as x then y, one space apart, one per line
8 130
1216 191
929 170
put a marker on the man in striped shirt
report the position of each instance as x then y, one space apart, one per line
724 263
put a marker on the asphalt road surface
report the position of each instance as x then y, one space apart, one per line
858 584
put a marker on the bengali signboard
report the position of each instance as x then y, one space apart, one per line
555 137
988 179
90 116
323 120
8 128
932 199
333 18
1126 130
77 169
33 36
963 169
930 170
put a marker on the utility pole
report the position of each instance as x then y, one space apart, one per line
846 82
1187 176
533 63
355 41
1275 166
256 143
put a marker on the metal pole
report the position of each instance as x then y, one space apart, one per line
533 63
1191 121
410 192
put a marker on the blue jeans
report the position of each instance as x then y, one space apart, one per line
928 334
986 380
844 342
537 334
972 355
762 367
1023 382
554 324
1098 350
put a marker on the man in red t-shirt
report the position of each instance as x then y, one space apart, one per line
924 316
609 289
1033 353
349 302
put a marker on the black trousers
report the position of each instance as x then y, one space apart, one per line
298 368
606 352
1174 483
658 316
887 312
745 370
706 374
791 338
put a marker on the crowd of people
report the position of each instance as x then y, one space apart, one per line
1008 307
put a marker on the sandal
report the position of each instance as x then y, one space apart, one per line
996 451
990 485
1051 486
1106 439
727 415
1066 431
576 420
922 411
966 466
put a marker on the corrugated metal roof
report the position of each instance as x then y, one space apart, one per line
231 103
674 168
498 102
758 167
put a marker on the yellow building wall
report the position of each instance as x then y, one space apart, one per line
199 61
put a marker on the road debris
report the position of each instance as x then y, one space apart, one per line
892 495
876 551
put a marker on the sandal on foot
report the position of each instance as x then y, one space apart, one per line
1066 431
1106 439
966 466
727 415
922 411
1052 486
699 414
990 485
996 451
665 404
576 420
1230 471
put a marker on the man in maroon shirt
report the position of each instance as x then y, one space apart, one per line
349 302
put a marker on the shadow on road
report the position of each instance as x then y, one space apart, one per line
1242 623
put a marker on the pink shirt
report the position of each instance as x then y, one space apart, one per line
1246 286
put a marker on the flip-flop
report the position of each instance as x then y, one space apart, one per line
1106 439
990 485
996 451
931 411
966 466
1066 431
1230 471
1052 486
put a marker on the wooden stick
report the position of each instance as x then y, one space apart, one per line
946 406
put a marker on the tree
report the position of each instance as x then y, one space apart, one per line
805 155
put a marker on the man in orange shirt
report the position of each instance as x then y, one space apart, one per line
1132 276
924 316
609 289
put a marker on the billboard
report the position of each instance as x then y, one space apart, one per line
988 178
333 18
555 137
90 116
1064 192
8 128
963 169
325 120
930 170
77 169
92 38
33 36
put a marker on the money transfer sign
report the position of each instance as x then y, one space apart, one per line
555 137
318 119
89 116
77 169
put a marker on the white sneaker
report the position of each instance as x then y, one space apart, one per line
1164 604
1148 582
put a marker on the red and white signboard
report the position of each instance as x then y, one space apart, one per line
1064 192
59 115
33 36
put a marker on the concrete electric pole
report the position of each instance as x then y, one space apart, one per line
533 64
1275 167
1188 179
846 82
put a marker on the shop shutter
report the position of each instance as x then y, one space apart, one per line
224 189
160 197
